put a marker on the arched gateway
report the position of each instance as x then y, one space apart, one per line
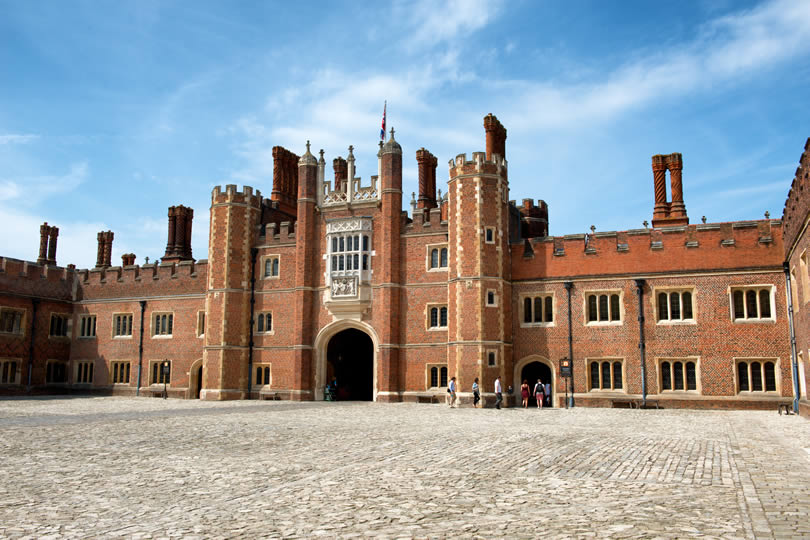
532 368
346 352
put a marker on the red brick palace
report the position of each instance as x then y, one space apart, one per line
329 278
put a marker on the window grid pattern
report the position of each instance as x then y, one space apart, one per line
271 266
438 257
438 317
158 376
122 325
200 323
262 375
752 303
59 325
11 321
756 376
163 323
675 306
606 375
678 375
438 376
604 307
264 323
87 326
56 372
349 253
8 371
538 309
120 372
84 373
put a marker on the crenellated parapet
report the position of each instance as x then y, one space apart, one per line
26 278
160 279
533 218
797 205
425 220
348 189
741 244
231 195
479 164
283 233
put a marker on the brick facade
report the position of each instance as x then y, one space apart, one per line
467 285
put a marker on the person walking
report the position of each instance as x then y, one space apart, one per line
476 393
548 394
498 393
524 393
539 393
451 389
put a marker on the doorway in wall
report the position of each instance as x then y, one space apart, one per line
533 371
350 360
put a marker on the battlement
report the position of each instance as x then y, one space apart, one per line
740 244
348 188
270 233
478 164
533 218
233 196
155 279
797 204
31 279
425 220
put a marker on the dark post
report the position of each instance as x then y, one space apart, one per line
140 350
642 346
253 253
794 362
568 286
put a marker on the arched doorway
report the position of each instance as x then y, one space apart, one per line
531 369
199 382
350 360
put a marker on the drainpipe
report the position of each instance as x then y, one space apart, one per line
140 349
253 253
642 345
568 286
793 359
34 304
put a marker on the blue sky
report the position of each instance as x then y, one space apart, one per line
112 112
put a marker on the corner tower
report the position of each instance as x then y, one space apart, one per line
479 293
232 234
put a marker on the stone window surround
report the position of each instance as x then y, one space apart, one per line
494 298
201 324
612 360
130 317
755 287
83 369
5 369
264 332
522 307
489 230
598 292
438 366
438 327
52 362
265 259
23 316
159 378
487 353
676 289
153 323
121 368
762 360
68 322
84 329
265 370
428 249
683 360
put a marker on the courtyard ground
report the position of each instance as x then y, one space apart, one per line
118 467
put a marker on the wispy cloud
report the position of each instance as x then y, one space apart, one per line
13 138
436 22
36 188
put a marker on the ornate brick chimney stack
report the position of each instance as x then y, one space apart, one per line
285 180
127 259
178 247
53 233
341 173
427 179
496 136
44 230
104 253
668 213
534 219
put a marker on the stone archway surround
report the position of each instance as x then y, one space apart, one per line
525 361
322 343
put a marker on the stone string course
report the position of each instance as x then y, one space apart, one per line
121 467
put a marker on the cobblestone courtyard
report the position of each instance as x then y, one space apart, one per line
112 467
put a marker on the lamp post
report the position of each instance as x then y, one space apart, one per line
165 368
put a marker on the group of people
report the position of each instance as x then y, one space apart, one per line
542 393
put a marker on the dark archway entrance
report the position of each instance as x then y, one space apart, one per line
533 371
350 359
199 382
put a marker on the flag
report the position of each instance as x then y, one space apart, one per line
382 129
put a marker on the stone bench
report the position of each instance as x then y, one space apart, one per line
787 407
268 394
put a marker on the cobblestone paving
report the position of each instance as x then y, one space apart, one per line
140 468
